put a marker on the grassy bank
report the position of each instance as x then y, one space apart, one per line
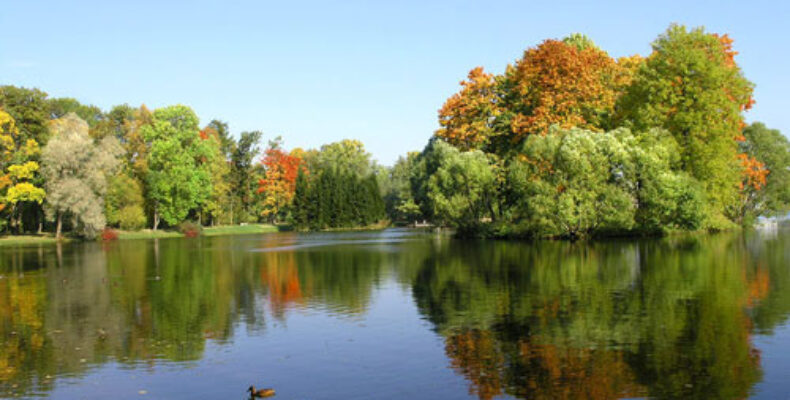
250 229
29 239
242 229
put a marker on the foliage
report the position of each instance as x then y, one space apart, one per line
691 86
766 193
123 204
75 170
219 169
60 107
337 190
177 182
579 183
279 185
570 83
109 234
462 188
242 175
345 156
467 118
17 171
399 199
131 217
30 109
190 229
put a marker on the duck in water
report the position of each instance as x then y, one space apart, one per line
260 393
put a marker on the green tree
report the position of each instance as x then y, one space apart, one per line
771 148
300 214
462 188
75 169
30 109
59 107
691 86
243 177
219 169
399 199
124 203
575 183
227 144
346 156
177 184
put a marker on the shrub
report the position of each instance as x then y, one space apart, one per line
131 218
190 229
109 234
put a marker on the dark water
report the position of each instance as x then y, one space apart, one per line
397 314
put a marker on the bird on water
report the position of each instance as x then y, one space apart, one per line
260 393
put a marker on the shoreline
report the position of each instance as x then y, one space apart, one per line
230 230
223 230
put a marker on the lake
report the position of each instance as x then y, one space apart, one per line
397 314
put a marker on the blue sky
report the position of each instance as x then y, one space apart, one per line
316 72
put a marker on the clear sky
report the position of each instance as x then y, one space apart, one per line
316 72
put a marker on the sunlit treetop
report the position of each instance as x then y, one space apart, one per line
568 83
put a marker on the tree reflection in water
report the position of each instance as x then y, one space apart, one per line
661 318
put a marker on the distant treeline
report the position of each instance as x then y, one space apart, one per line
69 166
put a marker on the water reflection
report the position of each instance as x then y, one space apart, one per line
661 318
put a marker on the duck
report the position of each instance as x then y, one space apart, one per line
260 393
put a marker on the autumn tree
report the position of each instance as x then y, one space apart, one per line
177 183
76 170
691 86
17 170
279 184
569 83
468 118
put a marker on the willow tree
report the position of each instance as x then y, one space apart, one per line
75 169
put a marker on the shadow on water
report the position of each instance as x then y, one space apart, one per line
670 318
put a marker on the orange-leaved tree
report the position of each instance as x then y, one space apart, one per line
279 183
568 83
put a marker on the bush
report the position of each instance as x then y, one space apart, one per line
131 218
190 229
109 234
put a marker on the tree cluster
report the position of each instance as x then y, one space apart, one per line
570 142
337 189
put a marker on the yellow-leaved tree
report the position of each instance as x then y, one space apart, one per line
18 172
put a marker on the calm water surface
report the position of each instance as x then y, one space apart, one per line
397 314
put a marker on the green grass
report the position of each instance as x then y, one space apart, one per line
249 229
240 229
147 234
28 240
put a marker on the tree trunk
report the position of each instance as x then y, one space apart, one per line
156 220
59 226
